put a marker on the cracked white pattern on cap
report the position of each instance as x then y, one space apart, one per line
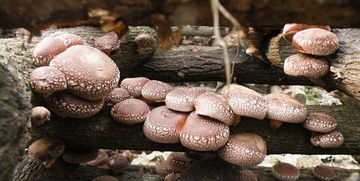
47 80
117 95
134 85
328 140
130 111
182 98
305 65
320 122
155 90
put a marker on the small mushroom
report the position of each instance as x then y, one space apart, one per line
324 173
90 73
171 177
155 90
47 80
244 149
108 42
134 85
46 150
247 175
328 140
178 160
203 134
285 172
118 161
101 159
130 111
290 29
282 107
320 122
306 65
163 168
105 178
182 98
79 156
144 41
39 115
214 106
117 95
315 41
163 125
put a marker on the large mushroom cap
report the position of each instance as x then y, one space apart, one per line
90 73
130 111
68 105
39 115
134 85
290 29
315 41
47 80
282 107
285 172
155 90
245 102
305 65
329 140
117 95
203 134
214 106
79 156
182 98
245 149
324 173
46 149
163 125
320 122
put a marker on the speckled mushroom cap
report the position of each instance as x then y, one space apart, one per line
324 173
291 28
90 73
155 90
108 42
134 85
320 122
247 175
305 65
285 172
328 140
203 134
117 95
46 149
244 149
67 105
105 178
214 106
163 125
130 111
54 44
282 107
182 98
39 115
178 160
315 41
47 80
118 161
79 156
245 102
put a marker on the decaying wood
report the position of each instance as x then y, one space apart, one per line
29 170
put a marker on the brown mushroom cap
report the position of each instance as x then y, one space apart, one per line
117 95
203 134
178 160
144 41
90 73
46 149
282 107
182 98
39 115
320 122
134 85
329 140
108 42
171 177
105 178
290 29
130 111
101 159
247 175
305 65
47 80
324 173
163 168
315 41
155 90
53 45
214 106
118 161
245 102
79 156
285 172
67 105
244 149
163 125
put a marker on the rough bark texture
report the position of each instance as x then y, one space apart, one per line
29 170
32 14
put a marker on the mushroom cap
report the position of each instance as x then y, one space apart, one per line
101 159
214 106
285 172
247 175
80 156
39 115
178 160
320 122
290 29
117 95
108 42
324 173
163 168
182 98
47 80
130 111
53 45
203 134
118 161
244 149
67 105
163 125
134 85
171 177
328 140
315 41
282 107
305 65
155 90
46 149
105 178
144 41
245 102
90 73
